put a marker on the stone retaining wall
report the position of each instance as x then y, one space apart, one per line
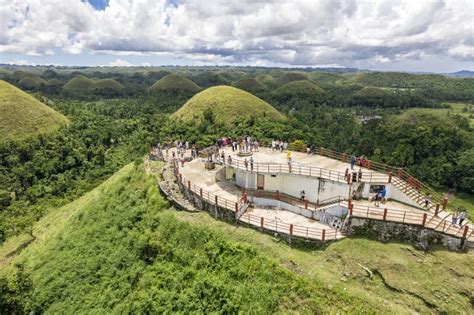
418 236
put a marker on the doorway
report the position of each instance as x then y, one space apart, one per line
260 181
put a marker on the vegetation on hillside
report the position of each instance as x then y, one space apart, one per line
296 92
249 84
22 115
288 77
226 104
120 253
174 83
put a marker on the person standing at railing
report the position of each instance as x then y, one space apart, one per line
229 160
223 157
427 200
251 163
353 161
383 194
455 218
246 163
462 217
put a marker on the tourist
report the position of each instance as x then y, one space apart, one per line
256 145
353 161
281 145
308 150
427 200
273 145
383 195
455 217
246 163
377 198
223 157
462 217
302 195
288 156
229 160
251 163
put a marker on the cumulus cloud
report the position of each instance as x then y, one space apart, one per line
301 33
120 63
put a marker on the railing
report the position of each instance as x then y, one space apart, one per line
426 220
406 180
368 177
264 223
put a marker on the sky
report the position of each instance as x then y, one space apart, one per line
386 35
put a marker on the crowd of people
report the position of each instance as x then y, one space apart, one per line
279 145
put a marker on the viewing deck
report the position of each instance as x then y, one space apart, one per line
213 186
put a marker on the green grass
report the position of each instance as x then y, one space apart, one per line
454 109
460 199
413 281
116 251
300 88
175 82
249 84
227 103
290 77
79 82
107 84
23 115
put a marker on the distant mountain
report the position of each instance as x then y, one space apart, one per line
462 74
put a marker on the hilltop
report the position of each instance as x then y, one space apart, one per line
174 82
23 115
249 84
302 88
79 82
227 103
288 77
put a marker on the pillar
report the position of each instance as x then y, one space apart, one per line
445 202
389 177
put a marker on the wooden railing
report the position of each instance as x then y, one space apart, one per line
261 222
405 181
426 220
317 172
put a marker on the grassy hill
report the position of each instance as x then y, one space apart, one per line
326 77
303 88
120 249
78 83
227 103
431 85
23 115
116 250
265 79
290 77
173 82
104 84
249 84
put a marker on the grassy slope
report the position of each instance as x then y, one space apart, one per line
23 115
455 108
175 82
227 103
415 281
115 250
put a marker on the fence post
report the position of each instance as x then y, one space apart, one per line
350 209
277 195
349 203
189 184
389 177
385 214
215 198
321 151
306 203
236 207
466 228
343 157
291 229
424 219
261 222
437 209
180 177
399 172
369 162
200 192
445 202
324 235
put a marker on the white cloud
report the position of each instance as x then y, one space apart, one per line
303 32
20 62
120 63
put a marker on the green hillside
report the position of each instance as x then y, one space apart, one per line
107 84
23 115
115 250
265 79
173 82
249 84
290 77
431 85
303 88
326 77
227 103
79 83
